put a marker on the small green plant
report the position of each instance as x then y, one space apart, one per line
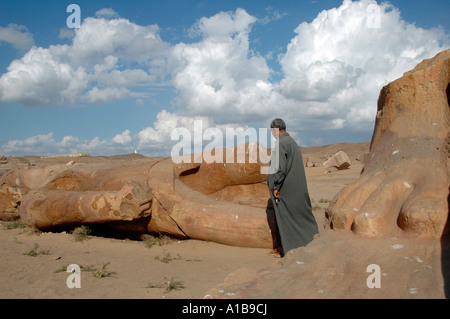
82 268
166 257
168 284
173 284
86 268
81 233
159 240
324 201
186 259
316 207
103 272
13 224
96 273
34 252
152 285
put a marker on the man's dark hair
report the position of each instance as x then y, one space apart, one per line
279 124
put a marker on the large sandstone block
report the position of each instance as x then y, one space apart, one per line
338 161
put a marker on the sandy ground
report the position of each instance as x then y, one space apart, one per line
132 268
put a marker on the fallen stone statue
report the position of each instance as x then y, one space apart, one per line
224 203
404 187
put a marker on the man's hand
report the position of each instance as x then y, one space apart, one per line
276 194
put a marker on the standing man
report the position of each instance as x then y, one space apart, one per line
296 225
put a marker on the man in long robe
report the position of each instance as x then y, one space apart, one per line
296 225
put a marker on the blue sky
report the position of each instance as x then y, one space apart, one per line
136 70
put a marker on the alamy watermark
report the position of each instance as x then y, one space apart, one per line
374 280
74 279
229 146
73 20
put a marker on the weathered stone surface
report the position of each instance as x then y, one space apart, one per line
224 202
9 201
404 186
336 266
309 163
364 158
3 171
48 208
338 161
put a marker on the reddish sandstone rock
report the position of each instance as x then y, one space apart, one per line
338 161
220 202
405 183
337 265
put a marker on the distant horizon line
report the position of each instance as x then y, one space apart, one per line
75 155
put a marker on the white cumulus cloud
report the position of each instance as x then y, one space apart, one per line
159 136
218 75
16 35
107 13
123 138
336 65
46 144
90 69
332 70
331 73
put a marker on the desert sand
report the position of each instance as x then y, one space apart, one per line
134 270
